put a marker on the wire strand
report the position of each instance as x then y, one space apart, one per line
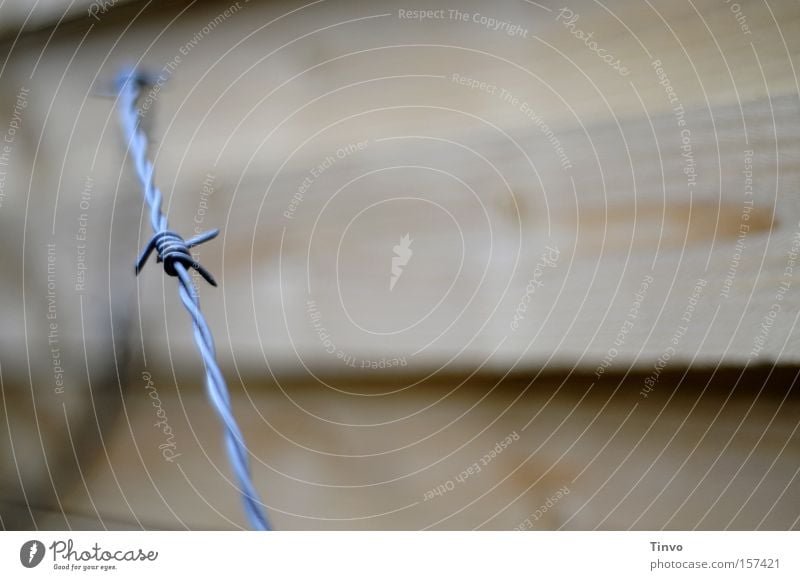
173 251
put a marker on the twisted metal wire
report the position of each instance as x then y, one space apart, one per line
173 251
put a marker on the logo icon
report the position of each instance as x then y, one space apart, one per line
403 253
31 553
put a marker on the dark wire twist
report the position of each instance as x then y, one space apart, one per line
173 251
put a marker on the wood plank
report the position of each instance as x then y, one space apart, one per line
655 269
483 168
687 457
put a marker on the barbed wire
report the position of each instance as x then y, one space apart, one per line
173 251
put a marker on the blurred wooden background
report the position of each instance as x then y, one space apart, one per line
602 264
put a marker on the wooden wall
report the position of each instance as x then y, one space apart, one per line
588 240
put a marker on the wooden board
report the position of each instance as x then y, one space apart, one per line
559 212
565 153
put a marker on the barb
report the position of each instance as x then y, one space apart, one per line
173 251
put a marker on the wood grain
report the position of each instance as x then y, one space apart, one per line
562 216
